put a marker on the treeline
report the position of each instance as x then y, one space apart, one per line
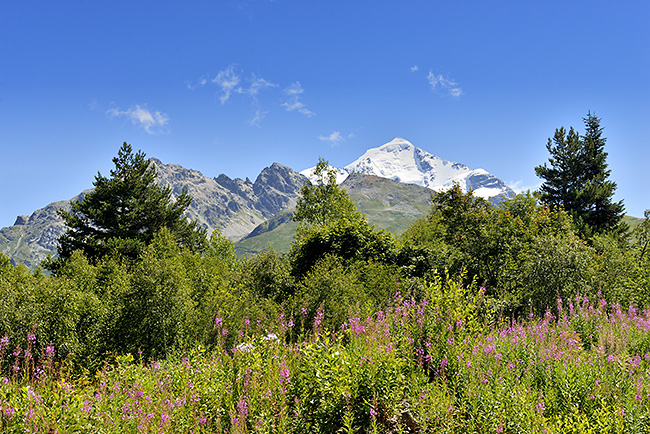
523 256
132 275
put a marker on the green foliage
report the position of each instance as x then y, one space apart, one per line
436 364
156 309
346 239
324 202
526 255
332 288
335 389
61 312
121 215
577 179
641 234
330 224
268 275
169 296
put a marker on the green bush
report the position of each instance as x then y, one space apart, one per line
346 239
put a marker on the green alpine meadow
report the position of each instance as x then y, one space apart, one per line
526 314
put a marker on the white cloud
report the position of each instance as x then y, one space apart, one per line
200 83
259 115
227 80
439 83
257 84
232 81
152 122
294 92
414 68
334 138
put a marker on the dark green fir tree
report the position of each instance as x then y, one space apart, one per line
123 212
578 179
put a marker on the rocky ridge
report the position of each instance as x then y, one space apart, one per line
233 206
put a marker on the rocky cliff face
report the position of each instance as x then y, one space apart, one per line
233 206
32 238
277 188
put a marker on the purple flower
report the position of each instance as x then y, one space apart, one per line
284 375
242 407
320 314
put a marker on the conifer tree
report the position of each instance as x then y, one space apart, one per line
121 215
578 179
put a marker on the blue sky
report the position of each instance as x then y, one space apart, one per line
233 86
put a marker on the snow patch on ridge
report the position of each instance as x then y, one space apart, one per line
401 161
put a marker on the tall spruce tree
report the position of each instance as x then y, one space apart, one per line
121 215
578 179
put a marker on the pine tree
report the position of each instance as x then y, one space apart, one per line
121 215
562 178
578 179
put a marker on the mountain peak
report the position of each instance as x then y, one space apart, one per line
402 161
396 145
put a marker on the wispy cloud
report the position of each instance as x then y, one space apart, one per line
228 80
414 68
257 84
294 93
233 81
199 83
439 83
259 115
153 122
334 138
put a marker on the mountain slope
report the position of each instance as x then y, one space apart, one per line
233 206
387 204
395 194
401 161
32 238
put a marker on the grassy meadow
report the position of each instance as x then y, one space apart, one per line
434 365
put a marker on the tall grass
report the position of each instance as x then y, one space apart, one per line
440 364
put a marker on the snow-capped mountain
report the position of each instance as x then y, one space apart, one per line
401 161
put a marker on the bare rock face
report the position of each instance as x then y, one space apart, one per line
277 188
21 220
32 238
